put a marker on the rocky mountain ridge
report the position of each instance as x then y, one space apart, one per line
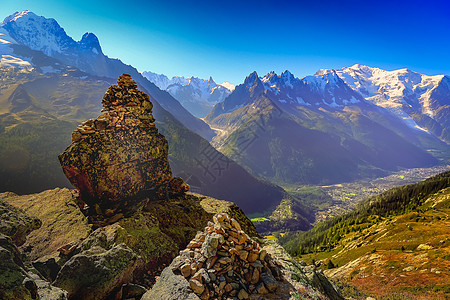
25 31
277 125
195 94
421 101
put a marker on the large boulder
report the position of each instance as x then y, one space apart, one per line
119 158
94 274
171 286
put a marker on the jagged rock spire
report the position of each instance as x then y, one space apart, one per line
120 158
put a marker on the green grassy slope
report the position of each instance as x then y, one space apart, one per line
399 239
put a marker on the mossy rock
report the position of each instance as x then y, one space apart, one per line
62 220
149 239
15 223
154 235
12 273
94 274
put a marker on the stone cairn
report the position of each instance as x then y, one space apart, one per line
223 261
120 158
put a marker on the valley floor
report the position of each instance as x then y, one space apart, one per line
346 195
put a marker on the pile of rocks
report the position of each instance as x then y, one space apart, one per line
223 261
125 107
120 156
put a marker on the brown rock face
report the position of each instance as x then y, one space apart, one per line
49 206
120 156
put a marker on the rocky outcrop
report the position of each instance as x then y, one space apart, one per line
120 158
14 222
12 273
301 278
223 262
94 274
62 220
139 247
16 281
321 282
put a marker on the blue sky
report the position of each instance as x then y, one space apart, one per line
230 39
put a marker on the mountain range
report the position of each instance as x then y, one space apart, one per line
43 98
23 31
321 130
241 144
421 101
330 127
195 94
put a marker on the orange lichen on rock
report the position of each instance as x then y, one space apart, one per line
120 156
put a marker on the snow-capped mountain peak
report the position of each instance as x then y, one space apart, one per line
270 79
392 89
287 78
16 16
195 94
361 67
322 72
228 86
37 32
322 79
251 79
287 74
42 34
